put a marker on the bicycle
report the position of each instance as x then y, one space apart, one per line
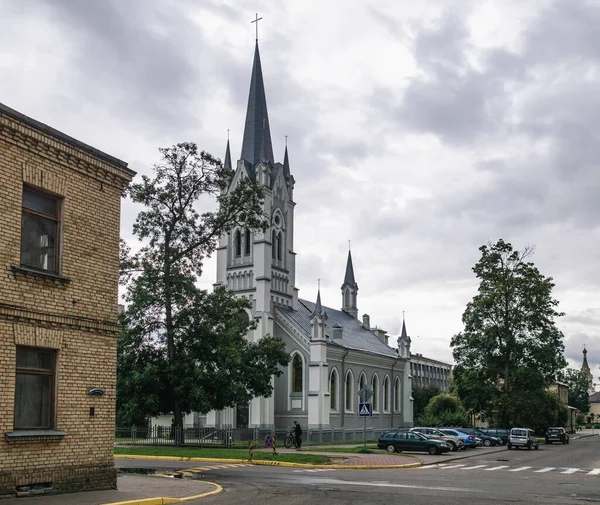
290 440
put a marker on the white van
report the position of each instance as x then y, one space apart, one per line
522 437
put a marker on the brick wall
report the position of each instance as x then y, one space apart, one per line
74 313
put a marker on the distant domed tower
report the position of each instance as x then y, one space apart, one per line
585 370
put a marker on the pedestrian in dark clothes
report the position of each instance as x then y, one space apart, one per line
298 434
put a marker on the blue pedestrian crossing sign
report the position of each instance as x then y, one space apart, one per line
365 409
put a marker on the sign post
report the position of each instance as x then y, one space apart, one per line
365 409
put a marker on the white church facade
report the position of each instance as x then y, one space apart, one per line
333 353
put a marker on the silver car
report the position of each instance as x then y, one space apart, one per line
453 441
523 437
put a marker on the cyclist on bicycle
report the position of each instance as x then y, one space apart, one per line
298 435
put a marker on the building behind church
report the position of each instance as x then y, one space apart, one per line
59 252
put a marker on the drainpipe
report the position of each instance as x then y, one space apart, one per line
393 399
343 388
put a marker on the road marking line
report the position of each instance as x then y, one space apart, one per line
520 469
571 470
544 470
452 466
496 468
595 471
473 467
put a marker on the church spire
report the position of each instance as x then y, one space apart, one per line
349 277
257 134
318 307
349 289
227 162
403 334
286 161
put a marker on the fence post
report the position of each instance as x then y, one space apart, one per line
133 433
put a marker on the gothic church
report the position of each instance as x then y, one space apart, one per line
333 353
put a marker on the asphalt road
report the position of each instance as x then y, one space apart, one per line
554 474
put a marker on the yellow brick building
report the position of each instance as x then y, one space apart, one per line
59 253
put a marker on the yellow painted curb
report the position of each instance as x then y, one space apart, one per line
166 501
270 463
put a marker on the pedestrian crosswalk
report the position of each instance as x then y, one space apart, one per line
190 472
489 467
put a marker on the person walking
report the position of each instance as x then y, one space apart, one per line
298 435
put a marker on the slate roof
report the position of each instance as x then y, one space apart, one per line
595 398
354 336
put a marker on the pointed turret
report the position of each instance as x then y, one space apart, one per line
257 134
586 372
403 341
349 290
286 163
403 334
318 320
227 162
349 277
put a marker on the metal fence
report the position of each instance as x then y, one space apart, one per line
238 437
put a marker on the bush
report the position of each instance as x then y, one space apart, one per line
427 420
443 403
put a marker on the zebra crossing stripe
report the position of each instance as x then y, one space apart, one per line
571 470
595 471
544 470
452 466
473 467
496 468
521 468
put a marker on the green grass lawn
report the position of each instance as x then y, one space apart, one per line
198 452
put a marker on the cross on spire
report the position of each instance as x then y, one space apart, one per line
256 21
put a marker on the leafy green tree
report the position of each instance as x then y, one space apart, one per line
578 389
183 348
443 403
509 325
421 396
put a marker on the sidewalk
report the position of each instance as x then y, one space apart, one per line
132 490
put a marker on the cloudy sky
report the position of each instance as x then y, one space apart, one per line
418 130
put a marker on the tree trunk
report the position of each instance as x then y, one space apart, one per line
177 414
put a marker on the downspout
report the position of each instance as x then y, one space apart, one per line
343 398
393 399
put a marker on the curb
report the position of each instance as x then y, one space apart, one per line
268 463
165 500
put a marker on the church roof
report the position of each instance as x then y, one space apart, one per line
595 398
354 335
257 134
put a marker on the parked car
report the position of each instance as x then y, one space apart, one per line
468 440
557 435
404 440
486 440
523 437
497 432
454 441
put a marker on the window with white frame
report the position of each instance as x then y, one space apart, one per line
386 394
349 390
375 388
297 374
333 390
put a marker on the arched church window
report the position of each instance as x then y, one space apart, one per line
349 391
238 243
362 382
279 241
386 394
375 388
333 387
247 239
397 395
273 236
297 374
